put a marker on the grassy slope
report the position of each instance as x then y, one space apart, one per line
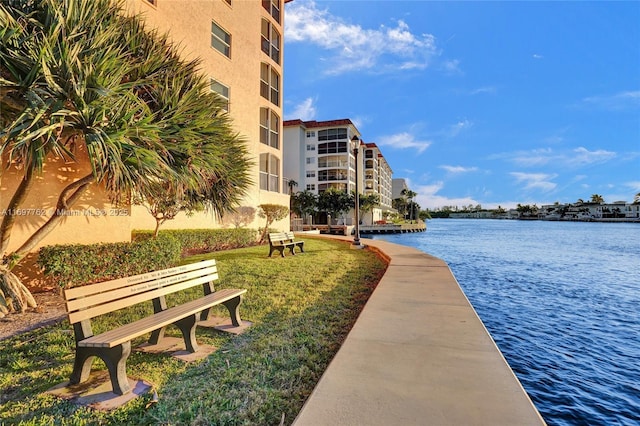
302 308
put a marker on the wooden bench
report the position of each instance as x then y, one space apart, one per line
298 243
283 240
114 346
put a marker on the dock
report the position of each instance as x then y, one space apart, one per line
389 228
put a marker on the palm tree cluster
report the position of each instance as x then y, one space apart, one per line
79 79
406 205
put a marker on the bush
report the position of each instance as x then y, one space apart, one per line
205 240
77 264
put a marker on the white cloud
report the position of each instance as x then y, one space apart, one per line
483 90
428 197
452 66
458 169
403 140
541 181
583 156
305 110
621 100
634 185
537 56
543 156
353 47
455 129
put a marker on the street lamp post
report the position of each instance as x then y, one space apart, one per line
355 144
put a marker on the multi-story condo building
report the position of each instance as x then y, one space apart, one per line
377 175
240 44
318 156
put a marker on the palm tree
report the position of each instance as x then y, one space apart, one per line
597 198
636 199
410 195
292 184
80 77
400 204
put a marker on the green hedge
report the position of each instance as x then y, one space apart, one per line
77 264
205 240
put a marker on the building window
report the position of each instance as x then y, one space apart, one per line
311 134
332 134
311 187
269 128
220 40
270 41
332 147
311 147
221 90
311 160
273 7
269 84
269 170
311 174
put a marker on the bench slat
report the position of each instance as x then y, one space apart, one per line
124 292
146 325
87 290
94 311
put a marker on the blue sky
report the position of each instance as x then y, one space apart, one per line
492 103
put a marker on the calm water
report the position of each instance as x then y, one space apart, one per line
562 302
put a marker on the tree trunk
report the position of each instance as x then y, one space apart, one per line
14 296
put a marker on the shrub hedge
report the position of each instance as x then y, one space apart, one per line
80 264
205 240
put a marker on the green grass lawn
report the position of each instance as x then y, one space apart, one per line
301 307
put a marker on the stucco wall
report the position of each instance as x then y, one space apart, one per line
92 219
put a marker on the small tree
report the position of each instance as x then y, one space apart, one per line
304 203
335 203
368 203
271 212
400 204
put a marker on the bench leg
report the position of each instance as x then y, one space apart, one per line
188 328
233 305
291 247
156 336
114 358
301 245
82 365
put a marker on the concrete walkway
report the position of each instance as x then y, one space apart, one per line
418 355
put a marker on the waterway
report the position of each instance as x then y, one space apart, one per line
562 302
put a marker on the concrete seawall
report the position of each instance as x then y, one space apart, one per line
418 355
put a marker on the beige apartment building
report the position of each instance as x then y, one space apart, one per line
240 46
318 155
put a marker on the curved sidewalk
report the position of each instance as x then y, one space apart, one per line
418 355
